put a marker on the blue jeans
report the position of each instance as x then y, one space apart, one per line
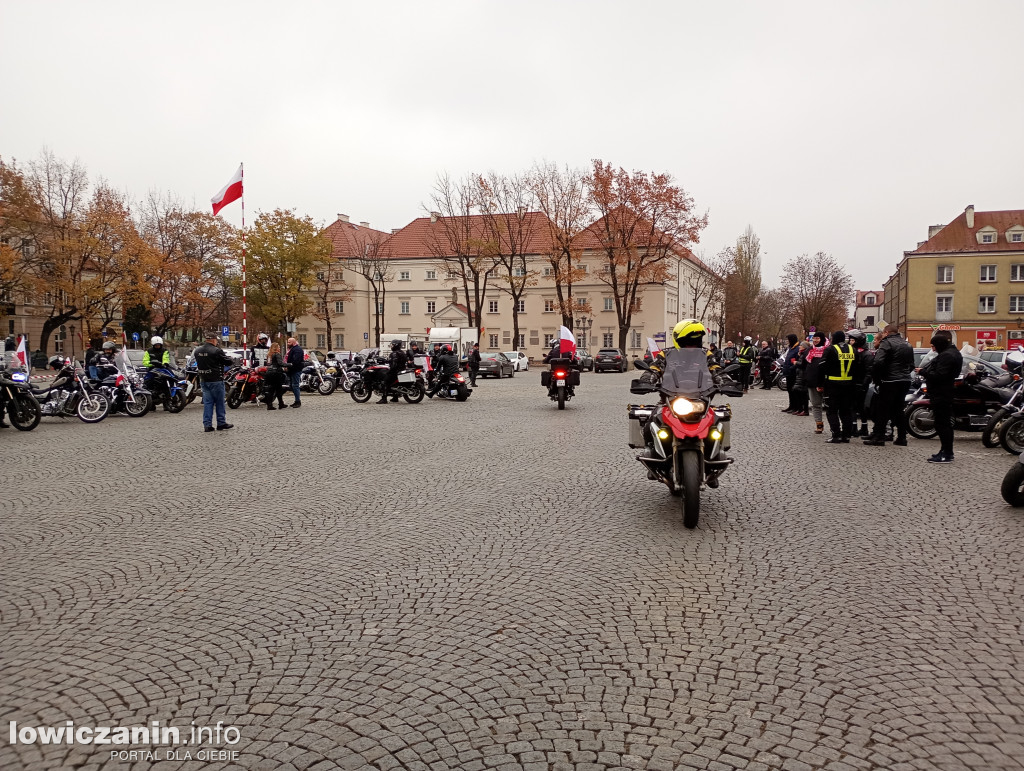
296 377
213 394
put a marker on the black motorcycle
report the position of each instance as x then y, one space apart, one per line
975 400
1012 488
561 380
455 387
409 384
72 395
17 400
123 389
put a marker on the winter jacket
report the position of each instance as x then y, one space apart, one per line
210 362
831 367
296 359
894 361
940 373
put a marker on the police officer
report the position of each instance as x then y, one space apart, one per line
745 358
157 355
396 363
839 373
859 341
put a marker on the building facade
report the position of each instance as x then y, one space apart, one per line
967 278
867 311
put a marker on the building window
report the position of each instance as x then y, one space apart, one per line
549 306
635 341
945 275
518 272
339 306
403 275
492 307
609 304
988 238
944 303
548 271
431 275
1016 238
431 306
380 308
607 340
548 340
869 321
321 341
581 303
988 273
522 340
320 276
521 305
339 341
405 308
1017 303
302 340
492 341
987 303
869 299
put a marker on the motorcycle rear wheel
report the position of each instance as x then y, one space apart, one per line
1012 488
24 412
137 408
921 422
463 394
92 408
690 499
417 396
781 383
561 397
990 436
177 402
326 388
1011 434
360 393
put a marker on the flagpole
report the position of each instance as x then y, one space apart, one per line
245 320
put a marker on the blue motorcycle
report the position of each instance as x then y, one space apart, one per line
165 387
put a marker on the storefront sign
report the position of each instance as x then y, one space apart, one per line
988 335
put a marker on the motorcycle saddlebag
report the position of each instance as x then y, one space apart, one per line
638 414
545 378
574 378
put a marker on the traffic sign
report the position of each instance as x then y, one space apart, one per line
366 335
135 336
225 331
870 337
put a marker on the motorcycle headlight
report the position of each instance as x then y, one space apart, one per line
683 408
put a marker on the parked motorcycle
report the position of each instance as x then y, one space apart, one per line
165 386
16 398
314 377
246 387
122 386
74 396
456 388
371 379
1012 488
684 435
561 380
976 399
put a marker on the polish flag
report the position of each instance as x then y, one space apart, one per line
566 342
231 192
20 353
653 347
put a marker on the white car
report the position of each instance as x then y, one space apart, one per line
519 360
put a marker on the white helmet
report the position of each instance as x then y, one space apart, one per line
156 340
263 337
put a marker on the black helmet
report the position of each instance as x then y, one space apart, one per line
55 362
396 345
857 337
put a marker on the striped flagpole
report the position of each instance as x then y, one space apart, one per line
245 318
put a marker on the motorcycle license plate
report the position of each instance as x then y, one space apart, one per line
979 420
559 382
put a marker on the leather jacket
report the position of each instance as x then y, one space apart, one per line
894 361
210 362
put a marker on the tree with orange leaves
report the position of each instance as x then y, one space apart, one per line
644 220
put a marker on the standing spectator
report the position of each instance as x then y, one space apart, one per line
210 363
296 359
789 360
275 379
474 364
728 353
891 371
745 357
837 376
800 386
939 374
812 361
91 353
714 354
765 359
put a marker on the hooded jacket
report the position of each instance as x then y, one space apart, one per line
894 361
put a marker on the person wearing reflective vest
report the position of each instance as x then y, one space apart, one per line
745 358
840 371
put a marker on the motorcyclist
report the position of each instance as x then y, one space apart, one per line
688 333
447 365
258 353
156 355
396 363
556 353
106 362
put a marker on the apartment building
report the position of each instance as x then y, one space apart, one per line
967 278
422 293
867 311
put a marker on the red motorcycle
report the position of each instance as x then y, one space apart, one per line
684 436
247 386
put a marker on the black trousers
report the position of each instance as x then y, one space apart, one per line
794 402
745 375
840 407
943 412
889 407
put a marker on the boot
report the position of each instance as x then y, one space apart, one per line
835 439
270 406
819 427
864 430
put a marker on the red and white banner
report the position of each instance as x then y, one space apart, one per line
21 353
653 346
231 192
566 342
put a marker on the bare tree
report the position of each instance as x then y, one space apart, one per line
374 263
330 287
561 195
818 290
706 282
743 283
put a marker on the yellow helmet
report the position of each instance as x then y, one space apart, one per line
688 333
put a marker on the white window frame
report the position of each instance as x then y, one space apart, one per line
984 271
988 238
522 341
949 300
302 340
1015 238
380 307
339 340
518 272
549 306
947 272
404 275
548 340
403 306
609 304
431 275
321 340
431 306
521 305
636 339
1017 303
988 308
548 271
492 307
492 340
339 306
608 340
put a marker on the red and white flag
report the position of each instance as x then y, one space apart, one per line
20 353
652 346
566 342
231 192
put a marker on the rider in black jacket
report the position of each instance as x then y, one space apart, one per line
891 372
447 365
396 363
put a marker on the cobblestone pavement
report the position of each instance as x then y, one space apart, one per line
496 585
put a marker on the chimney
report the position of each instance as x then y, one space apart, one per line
394 230
435 216
933 229
969 211
342 218
364 224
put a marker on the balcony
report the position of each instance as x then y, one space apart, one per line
943 315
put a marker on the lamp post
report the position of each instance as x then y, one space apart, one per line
72 341
584 324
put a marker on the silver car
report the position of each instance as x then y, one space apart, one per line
495 365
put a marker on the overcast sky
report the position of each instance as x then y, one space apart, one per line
841 127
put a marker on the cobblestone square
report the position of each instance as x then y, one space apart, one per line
496 585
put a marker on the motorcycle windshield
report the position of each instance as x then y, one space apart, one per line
123 363
686 372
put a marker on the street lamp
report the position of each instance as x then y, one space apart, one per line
584 324
72 341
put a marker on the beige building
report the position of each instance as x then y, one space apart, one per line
867 311
420 294
967 278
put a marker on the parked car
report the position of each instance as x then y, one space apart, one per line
971 363
994 357
586 360
496 365
342 355
519 360
610 359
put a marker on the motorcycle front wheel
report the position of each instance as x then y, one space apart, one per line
137 408
1011 434
689 462
990 436
417 394
1012 488
177 402
781 383
921 421
346 385
92 408
24 412
360 393
327 386
235 398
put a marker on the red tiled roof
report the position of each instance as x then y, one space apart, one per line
957 237
879 296
590 239
422 238
349 239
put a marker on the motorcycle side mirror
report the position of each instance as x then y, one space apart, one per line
641 364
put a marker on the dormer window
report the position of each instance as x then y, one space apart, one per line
988 235
1015 235
988 238
869 299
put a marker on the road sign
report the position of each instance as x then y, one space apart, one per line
813 330
870 337
225 331
135 336
366 335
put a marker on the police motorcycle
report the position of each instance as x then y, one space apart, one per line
122 386
314 377
166 387
17 401
685 436
70 394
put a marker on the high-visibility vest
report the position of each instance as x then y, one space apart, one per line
845 363
746 355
